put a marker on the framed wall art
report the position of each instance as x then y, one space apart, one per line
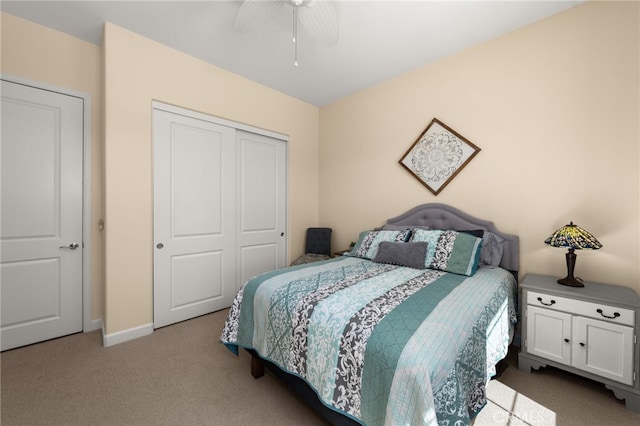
438 155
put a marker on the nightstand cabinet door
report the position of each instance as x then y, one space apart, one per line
549 334
603 348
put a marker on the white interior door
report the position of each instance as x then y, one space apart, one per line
41 210
194 217
262 174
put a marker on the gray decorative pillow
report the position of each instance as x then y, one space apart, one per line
492 250
402 254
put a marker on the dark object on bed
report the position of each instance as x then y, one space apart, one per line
317 246
402 254
431 216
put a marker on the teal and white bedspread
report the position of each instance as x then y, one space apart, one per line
382 344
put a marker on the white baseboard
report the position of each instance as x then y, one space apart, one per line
94 325
126 335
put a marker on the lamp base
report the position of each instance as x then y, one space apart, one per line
571 281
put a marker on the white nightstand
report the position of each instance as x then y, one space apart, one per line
590 331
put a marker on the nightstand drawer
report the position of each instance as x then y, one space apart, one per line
579 307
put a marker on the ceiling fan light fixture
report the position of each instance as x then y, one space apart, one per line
317 17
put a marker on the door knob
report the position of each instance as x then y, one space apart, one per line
159 245
71 246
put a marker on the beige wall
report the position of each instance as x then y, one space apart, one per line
134 71
138 71
37 53
555 109
564 88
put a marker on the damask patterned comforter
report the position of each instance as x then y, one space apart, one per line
382 344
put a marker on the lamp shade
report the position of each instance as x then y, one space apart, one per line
573 237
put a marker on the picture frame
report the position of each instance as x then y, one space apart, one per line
438 155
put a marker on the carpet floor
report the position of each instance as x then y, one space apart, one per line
181 375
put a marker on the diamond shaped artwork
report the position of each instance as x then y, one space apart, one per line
438 155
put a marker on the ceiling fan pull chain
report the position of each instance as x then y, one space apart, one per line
295 34
295 23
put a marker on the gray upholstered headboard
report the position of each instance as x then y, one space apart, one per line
442 216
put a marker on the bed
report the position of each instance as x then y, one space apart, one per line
406 328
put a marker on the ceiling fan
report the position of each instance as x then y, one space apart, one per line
318 18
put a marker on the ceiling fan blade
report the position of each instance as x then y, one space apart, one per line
319 19
253 13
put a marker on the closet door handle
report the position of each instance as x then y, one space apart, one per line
71 246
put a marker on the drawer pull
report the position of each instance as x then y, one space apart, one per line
546 304
615 314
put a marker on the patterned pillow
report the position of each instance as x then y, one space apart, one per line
450 251
368 242
402 254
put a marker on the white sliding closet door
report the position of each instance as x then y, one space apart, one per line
219 212
262 175
194 217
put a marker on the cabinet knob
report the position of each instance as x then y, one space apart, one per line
581 345
566 340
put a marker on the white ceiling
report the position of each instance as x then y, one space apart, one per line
378 39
